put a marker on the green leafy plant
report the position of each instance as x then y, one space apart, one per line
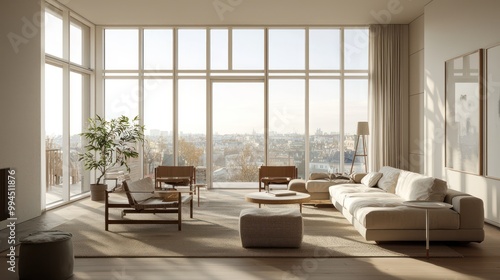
111 143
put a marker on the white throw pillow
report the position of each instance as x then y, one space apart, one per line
414 186
371 179
389 179
145 188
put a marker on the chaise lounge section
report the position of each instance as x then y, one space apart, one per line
374 206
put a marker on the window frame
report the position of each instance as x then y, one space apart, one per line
266 74
86 69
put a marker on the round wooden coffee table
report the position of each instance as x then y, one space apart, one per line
272 198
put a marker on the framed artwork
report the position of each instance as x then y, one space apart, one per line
464 113
492 126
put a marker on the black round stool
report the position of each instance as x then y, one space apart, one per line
46 255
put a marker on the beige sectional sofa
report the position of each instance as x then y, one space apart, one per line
375 208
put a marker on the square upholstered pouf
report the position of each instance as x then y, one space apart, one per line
277 227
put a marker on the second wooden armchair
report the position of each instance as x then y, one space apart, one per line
276 175
175 176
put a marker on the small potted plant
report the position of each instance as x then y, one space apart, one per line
109 144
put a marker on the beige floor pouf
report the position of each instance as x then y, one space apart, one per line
46 255
276 227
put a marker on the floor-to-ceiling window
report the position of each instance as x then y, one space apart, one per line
355 52
67 74
238 132
298 91
158 98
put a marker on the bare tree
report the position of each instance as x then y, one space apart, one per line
189 152
247 165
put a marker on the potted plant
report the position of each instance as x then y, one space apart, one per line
109 144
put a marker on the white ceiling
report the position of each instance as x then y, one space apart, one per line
247 12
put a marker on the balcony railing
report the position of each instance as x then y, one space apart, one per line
54 168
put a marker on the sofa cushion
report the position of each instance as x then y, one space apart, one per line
389 178
439 190
314 186
339 192
357 177
371 179
357 201
414 186
319 176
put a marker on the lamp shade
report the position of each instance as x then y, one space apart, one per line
363 128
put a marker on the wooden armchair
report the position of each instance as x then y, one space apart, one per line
276 175
142 199
175 176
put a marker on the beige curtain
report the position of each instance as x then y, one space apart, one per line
388 98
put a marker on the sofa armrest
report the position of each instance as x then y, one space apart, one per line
470 209
298 185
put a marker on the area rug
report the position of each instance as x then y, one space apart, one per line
213 232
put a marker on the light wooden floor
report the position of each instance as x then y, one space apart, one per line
481 261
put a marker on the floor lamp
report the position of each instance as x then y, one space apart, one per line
362 132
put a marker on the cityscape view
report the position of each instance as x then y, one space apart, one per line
237 157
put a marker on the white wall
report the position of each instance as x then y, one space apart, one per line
20 105
416 91
453 28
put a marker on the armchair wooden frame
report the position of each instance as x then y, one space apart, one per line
152 205
276 175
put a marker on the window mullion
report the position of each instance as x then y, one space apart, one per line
341 105
266 95
175 110
66 134
307 132
230 49
141 95
66 36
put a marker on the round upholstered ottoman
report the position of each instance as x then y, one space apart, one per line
46 255
275 227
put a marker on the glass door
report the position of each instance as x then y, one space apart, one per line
237 126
